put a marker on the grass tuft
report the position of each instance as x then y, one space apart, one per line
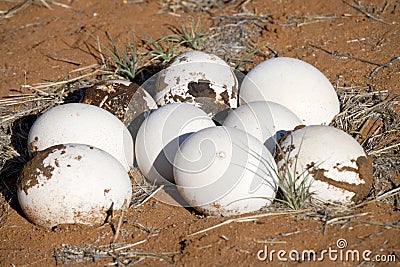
163 49
124 62
293 180
191 35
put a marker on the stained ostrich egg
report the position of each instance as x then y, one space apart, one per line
294 84
334 164
225 171
111 95
82 124
160 135
265 120
198 78
68 184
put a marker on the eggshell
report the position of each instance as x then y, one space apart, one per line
295 84
267 121
82 124
68 184
225 171
333 162
198 78
111 95
160 135
119 81
138 109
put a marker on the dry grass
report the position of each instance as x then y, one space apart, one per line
230 38
21 5
250 218
371 119
173 6
118 254
4 208
141 191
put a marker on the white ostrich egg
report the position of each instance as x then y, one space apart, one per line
333 163
160 135
68 184
225 171
265 120
294 84
198 78
82 124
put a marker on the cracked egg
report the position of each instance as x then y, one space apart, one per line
72 184
334 163
198 78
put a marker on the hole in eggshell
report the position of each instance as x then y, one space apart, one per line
202 88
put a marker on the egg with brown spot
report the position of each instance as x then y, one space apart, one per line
72 184
80 123
202 79
111 95
332 162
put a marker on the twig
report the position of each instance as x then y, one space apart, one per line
9 13
389 194
387 64
64 60
341 55
243 7
150 196
124 206
61 4
386 195
338 219
377 152
131 245
247 219
385 224
45 4
292 233
46 85
316 19
103 61
93 66
19 114
369 15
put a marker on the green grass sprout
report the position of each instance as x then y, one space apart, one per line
191 35
125 62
